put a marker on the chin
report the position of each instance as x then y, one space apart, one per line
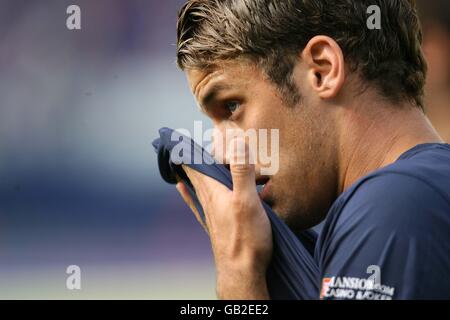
283 214
295 218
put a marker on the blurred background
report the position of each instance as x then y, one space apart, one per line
79 183
435 16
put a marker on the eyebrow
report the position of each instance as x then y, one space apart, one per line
211 94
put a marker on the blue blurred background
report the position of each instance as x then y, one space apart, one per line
79 183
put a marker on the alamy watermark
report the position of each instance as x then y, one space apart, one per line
73 281
73 21
374 20
253 146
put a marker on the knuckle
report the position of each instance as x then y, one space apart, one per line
241 202
237 200
240 169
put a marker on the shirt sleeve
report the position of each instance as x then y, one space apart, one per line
390 241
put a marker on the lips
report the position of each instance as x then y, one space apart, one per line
263 184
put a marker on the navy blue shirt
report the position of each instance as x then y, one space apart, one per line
388 236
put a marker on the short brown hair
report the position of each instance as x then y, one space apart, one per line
273 32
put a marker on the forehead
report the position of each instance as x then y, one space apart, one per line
233 73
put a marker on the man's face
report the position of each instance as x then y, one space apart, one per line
239 95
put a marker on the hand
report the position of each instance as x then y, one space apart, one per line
238 227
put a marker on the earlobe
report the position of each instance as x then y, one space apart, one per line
325 61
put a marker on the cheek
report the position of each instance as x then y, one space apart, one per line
277 143
265 112
254 118
269 126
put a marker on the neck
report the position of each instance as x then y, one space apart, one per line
375 135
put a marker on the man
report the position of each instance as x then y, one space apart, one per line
356 149
435 16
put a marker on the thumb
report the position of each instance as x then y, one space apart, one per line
241 167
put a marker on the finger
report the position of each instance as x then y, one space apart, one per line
197 179
242 168
204 185
182 189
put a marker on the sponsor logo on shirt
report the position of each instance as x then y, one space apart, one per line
355 289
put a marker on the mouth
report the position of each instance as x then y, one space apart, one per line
263 186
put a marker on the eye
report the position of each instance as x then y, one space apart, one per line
232 106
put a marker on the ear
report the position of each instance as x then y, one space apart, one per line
325 66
